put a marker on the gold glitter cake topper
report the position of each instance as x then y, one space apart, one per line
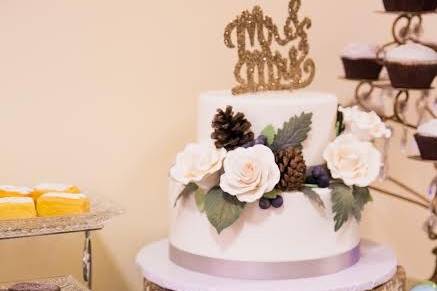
264 69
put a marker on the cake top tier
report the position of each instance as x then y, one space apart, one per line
274 108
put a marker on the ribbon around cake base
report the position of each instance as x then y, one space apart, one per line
264 270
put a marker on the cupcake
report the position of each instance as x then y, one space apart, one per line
412 66
429 43
426 138
360 61
409 5
430 5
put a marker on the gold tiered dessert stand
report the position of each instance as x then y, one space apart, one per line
406 27
101 211
67 283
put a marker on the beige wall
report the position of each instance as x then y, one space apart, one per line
102 93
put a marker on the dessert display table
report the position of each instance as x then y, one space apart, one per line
67 283
376 270
101 212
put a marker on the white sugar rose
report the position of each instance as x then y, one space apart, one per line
355 162
249 173
365 125
199 163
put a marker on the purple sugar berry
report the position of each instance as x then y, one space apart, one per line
264 203
278 202
318 171
262 139
249 144
323 181
311 180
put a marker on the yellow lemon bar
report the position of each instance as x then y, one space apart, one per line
15 191
53 187
62 204
17 208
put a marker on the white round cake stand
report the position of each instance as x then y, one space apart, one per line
377 266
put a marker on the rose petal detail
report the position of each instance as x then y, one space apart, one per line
199 163
249 173
365 126
354 161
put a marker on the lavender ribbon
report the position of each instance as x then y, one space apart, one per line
264 270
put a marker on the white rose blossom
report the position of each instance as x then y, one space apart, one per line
365 125
249 173
355 162
199 163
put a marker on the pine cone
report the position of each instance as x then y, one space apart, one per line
293 169
231 130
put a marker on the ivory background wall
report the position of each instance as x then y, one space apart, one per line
101 93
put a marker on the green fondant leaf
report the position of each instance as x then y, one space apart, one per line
313 196
362 197
199 196
293 133
347 202
190 188
339 125
342 204
270 133
222 209
272 194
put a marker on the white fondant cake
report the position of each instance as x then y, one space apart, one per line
298 231
275 108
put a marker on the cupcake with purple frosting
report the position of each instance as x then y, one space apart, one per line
412 66
360 61
426 138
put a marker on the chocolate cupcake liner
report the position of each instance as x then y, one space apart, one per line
411 76
362 68
427 146
430 5
405 5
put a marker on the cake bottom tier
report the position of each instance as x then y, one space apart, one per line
299 232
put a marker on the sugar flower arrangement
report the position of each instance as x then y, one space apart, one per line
235 169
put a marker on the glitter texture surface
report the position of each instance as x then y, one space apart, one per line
67 283
264 68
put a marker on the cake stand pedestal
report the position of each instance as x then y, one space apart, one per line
376 270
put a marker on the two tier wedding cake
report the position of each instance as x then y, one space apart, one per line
276 182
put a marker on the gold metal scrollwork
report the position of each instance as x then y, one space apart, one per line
412 25
259 68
